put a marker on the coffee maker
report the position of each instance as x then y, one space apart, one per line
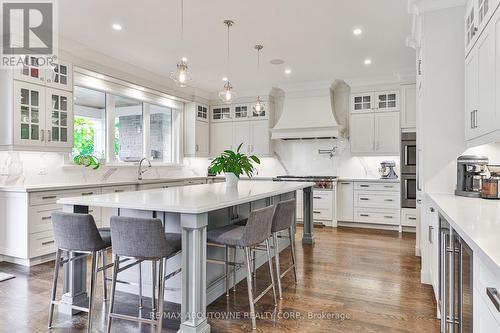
470 173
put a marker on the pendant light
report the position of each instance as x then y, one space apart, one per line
259 106
182 75
227 94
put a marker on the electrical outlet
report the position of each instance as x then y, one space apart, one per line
43 172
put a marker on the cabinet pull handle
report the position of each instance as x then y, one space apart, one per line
430 234
365 199
119 191
493 295
49 136
49 197
390 200
316 212
388 186
412 218
364 215
316 197
196 148
87 193
47 243
42 135
472 119
432 209
345 183
46 218
364 185
388 217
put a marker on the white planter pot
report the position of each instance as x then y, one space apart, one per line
231 180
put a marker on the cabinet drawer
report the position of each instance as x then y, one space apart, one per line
376 200
323 200
118 189
322 214
390 217
40 218
45 198
484 278
409 219
368 186
41 243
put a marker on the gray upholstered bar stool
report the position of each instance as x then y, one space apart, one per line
142 239
78 233
257 230
284 219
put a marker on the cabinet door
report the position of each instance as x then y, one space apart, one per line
241 135
59 118
484 321
362 102
29 114
345 201
202 138
387 132
241 112
362 133
470 25
30 71
60 76
409 102
221 113
261 137
201 112
471 86
387 100
221 137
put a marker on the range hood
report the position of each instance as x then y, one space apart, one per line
309 115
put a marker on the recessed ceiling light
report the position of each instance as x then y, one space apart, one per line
277 61
368 61
184 59
224 79
100 76
117 26
288 71
357 31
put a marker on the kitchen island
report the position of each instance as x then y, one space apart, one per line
191 210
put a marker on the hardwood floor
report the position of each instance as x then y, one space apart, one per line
352 280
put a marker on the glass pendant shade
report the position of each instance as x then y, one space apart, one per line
227 94
259 106
181 76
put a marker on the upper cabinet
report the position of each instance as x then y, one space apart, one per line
221 113
477 16
59 76
362 102
375 101
196 130
409 107
39 107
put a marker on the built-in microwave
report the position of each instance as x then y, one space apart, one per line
409 153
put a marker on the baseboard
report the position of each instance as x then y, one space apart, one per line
425 278
28 262
368 226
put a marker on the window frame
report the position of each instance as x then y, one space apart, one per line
113 87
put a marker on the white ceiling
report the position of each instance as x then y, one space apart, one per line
314 37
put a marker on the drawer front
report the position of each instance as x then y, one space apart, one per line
41 243
484 278
409 219
118 189
376 200
323 200
322 214
368 186
40 218
45 198
390 217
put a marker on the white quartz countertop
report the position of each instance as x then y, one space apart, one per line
189 199
367 179
477 221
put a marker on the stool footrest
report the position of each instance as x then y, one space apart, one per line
131 318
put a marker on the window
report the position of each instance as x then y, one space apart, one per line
90 122
128 129
160 132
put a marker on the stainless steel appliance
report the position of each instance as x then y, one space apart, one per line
408 153
322 182
387 171
456 278
408 170
470 172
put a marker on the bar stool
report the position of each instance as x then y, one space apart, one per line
283 219
257 230
142 239
78 233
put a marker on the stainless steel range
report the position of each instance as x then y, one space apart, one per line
322 182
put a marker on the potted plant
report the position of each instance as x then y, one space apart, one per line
87 160
234 164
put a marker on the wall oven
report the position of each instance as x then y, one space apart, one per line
408 190
408 153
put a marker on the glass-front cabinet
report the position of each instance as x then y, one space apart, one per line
59 112
60 76
201 112
241 112
387 101
221 113
29 114
362 102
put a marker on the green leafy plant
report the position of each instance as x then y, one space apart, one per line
234 162
87 161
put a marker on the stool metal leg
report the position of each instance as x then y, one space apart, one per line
234 269
249 287
104 286
226 267
277 262
116 267
254 270
54 286
92 290
161 294
292 247
271 273
153 282
140 285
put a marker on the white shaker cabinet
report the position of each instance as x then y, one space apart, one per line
387 136
196 130
29 113
386 100
241 135
59 118
345 201
362 132
409 107
362 102
60 76
221 137
260 137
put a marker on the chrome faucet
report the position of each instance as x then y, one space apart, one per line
140 172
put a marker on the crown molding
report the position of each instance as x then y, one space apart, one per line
418 7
